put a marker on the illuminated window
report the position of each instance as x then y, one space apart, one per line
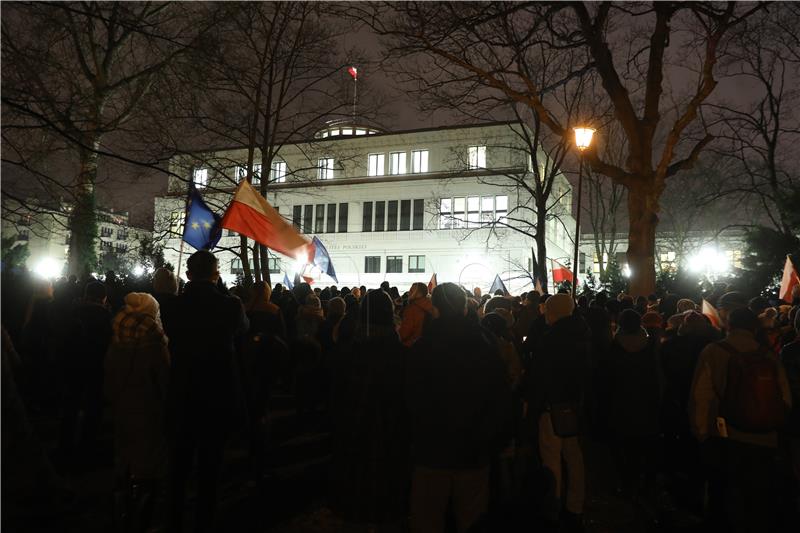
416 264
279 171
325 169
176 219
477 157
200 177
419 161
376 164
397 163
472 211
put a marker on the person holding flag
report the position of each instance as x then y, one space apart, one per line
202 230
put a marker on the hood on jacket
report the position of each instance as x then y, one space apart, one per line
632 342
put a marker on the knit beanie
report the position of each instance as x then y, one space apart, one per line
559 306
686 304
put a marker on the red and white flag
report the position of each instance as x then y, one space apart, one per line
251 215
711 312
432 283
789 280
353 72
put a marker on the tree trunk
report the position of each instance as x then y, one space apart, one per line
541 249
642 209
256 263
265 274
83 220
247 274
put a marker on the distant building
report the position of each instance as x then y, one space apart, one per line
395 206
45 230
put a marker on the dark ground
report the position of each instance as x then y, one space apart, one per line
292 498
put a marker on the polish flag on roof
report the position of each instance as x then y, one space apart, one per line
353 72
251 215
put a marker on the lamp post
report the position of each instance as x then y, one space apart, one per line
583 138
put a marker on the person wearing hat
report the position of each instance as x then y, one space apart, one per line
559 378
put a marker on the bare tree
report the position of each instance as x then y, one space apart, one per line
626 45
78 72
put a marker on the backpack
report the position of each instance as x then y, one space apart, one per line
752 401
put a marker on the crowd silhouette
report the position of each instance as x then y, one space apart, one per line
448 410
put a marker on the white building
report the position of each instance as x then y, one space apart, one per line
45 232
396 206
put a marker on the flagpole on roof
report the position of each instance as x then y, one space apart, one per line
355 97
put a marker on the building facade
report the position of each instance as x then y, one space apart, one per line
45 231
397 206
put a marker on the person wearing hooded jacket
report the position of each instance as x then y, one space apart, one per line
559 376
419 309
136 378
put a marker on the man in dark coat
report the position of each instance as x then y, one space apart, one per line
459 401
559 377
205 395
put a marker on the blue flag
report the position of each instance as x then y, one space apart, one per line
498 284
201 229
288 284
323 260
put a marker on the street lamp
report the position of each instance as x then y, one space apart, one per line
583 138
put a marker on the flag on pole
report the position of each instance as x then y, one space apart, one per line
251 215
432 283
561 273
353 72
201 228
322 259
288 284
789 280
711 312
498 285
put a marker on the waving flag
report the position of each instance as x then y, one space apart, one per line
286 283
432 283
201 229
251 215
353 72
498 285
711 312
322 259
789 280
561 273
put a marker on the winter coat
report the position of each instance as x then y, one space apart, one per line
414 316
633 385
790 357
205 390
370 463
708 390
136 378
559 370
679 355
458 396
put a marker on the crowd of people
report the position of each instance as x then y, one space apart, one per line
447 409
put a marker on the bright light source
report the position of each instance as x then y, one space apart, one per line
300 262
709 261
626 271
138 270
583 138
48 268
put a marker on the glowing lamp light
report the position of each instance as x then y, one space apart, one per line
138 270
300 262
583 138
709 261
48 268
626 271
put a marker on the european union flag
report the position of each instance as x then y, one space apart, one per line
323 260
202 229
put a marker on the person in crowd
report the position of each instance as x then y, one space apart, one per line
633 403
265 317
652 323
459 402
334 315
527 315
86 347
559 375
641 305
500 328
738 400
790 357
370 470
416 314
165 291
309 370
205 401
38 343
136 380
685 304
